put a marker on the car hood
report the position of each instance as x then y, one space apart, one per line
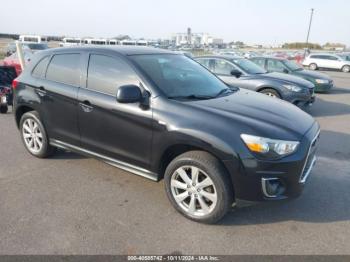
312 74
259 114
287 78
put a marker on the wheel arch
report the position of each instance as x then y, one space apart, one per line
346 65
269 87
20 111
174 150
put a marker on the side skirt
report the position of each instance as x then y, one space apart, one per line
122 165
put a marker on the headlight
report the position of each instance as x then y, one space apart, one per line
293 88
322 81
269 147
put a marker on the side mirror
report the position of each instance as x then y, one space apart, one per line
129 94
236 73
285 71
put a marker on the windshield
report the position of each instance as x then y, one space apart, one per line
248 66
292 65
346 57
179 76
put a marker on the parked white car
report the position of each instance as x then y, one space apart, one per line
329 61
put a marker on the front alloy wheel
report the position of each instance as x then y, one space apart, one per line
199 187
193 190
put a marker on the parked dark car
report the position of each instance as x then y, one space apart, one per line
7 75
241 72
321 81
161 115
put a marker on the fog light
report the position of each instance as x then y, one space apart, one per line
272 187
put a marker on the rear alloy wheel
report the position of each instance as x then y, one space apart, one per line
346 69
198 187
313 66
270 92
34 135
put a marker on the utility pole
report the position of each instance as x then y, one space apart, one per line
308 32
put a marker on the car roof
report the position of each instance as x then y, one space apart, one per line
123 50
270 57
323 54
228 57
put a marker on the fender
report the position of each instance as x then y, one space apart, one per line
181 141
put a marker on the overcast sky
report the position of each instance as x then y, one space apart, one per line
251 21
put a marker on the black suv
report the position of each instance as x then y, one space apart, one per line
162 115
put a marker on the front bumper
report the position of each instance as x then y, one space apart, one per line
324 87
301 99
292 172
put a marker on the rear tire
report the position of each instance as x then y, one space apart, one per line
34 135
313 66
3 109
346 69
199 187
270 92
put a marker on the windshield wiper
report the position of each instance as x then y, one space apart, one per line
223 91
198 97
298 69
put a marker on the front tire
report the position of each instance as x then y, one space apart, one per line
34 135
3 109
271 92
198 186
313 66
346 69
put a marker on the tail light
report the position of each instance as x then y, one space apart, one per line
14 83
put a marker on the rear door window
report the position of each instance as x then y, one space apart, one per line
259 61
64 68
334 58
106 74
40 68
318 57
204 62
275 66
223 67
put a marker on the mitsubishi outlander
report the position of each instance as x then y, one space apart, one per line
162 115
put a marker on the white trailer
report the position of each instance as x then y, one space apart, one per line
70 41
32 38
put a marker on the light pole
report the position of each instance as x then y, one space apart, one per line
308 32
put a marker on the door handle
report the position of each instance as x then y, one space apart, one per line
41 91
86 106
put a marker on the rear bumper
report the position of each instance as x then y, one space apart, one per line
255 179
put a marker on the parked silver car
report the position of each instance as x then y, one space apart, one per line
329 61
